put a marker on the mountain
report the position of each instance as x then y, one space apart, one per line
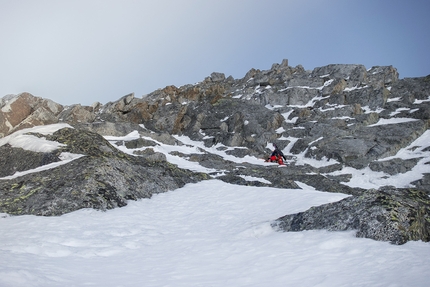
342 128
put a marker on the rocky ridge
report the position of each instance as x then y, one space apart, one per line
100 177
327 120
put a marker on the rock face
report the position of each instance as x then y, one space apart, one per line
331 119
102 179
18 159
332 112
387 214
25 111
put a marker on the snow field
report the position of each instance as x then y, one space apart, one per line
205 234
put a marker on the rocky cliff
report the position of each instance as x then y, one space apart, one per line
330 123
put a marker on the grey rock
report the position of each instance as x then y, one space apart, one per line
217 77
150 155
340 71
423 183
18 159
383 76
108 128
360 146
234 179
373 98
239 152
104 178
387 214
137 143
394 166
77 114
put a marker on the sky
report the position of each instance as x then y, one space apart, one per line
87 51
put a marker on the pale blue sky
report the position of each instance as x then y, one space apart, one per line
83 51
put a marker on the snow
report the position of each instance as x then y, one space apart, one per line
417 102
26 141
21 139
311 102
209 233
343 118
8 101
355 88
317 140
218 149
253 178
332 107
418 148
280 130
131 136
366 178
65 158
205 234
394 99
368 110
398 111
326 84
392 121
287 115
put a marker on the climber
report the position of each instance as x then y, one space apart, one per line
277 156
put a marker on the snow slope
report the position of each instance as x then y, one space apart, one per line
205 234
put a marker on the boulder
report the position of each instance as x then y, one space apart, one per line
394 166
150 155
77 114
387 214
217 77
382 76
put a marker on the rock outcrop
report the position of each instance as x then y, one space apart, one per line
387 214
103 178
24 111
332 112
18 159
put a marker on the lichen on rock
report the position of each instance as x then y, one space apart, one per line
103 179
386 214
